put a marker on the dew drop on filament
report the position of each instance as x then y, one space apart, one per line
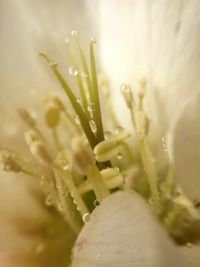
93 126
93 40
119 130
77 120
74 33
49 200
73 71
119 156
39 248
84 75
86 217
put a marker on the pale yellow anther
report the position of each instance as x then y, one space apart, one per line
188 205
142 124
52 115
26 117
40 153
63 160
109 148
31 136
8 162
56 100
82 155
128 95
113 177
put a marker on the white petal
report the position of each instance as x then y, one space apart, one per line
122 232
191 255
156 38
186 148
27 27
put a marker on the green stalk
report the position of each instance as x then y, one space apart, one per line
95 96
77 108
79 81
98 185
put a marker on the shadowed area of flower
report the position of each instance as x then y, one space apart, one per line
31 233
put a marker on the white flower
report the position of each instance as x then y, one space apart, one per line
152 45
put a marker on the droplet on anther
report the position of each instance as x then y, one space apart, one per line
84 75
93 40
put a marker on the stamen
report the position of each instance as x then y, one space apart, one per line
37 148
26 117
109 148
9 163
77 108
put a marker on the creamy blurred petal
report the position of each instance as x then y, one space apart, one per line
191 255
158 39
31 234
123 232
186 148
27 27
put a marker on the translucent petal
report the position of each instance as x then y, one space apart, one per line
159 39
123 232
186 148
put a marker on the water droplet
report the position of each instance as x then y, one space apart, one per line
93 126
89 108
124 88
78 101
66 167
73 71
77 120
96 203
49 200
59 186
189 245
84 75
66 40
43 180
119 156
65 194
93 40
119 130
61 207
164 143
53 64
107 134
77 207
86 217
39 248
116 169
74 33
151 202
98 255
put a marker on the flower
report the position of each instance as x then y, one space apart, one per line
80 164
